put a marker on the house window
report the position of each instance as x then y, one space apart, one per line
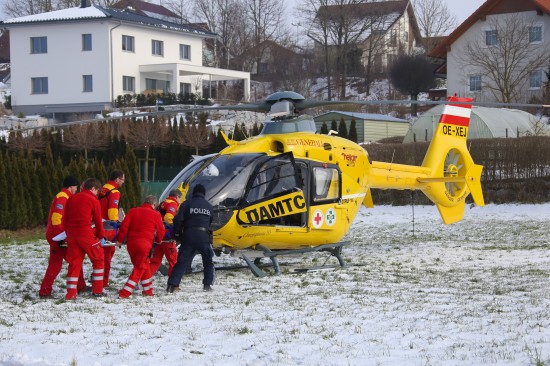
185 52
491 37
263 68
393 38
39 85
157 47
185 88
128 43
475 83
86 42
150 84
128 83
87 83
535 79
535 34
39 44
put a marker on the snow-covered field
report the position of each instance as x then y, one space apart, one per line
473 293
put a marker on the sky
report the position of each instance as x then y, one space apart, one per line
414 292
462 9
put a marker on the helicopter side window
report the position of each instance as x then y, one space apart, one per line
326 184
273 178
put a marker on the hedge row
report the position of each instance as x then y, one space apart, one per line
28 184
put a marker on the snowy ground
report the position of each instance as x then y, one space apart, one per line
473 293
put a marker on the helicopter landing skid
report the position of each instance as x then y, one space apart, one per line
335 250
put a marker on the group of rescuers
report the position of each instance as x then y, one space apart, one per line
95 226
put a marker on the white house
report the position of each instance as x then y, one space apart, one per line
387 29
499 53
80 59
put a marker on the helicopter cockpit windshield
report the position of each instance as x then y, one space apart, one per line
225 178
299 124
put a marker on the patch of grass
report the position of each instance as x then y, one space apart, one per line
243 330
22 235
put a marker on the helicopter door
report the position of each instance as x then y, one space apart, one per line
274 194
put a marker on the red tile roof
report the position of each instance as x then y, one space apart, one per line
487 8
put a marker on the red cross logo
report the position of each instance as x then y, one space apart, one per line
318 218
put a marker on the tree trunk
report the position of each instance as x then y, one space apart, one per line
146 166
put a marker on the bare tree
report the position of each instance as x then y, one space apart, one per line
19 8
344 26
434 19
227 19
145 134
28 141
318 31
92 136
195 134
506 66
265 17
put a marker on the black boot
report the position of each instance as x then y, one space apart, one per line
172 288
207 288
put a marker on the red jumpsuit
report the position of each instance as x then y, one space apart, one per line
82 210
57 253
168 246
109 198
142 225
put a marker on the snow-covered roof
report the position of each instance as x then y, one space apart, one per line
366 116
90 12
97 12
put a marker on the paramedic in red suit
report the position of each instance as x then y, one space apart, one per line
109 197
167 247
141 226
58 249
82 210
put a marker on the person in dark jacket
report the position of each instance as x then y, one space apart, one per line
193 223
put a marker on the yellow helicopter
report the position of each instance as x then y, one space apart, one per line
291 190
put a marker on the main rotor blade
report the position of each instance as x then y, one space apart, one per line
306 104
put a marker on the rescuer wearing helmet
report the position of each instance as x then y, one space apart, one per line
193 222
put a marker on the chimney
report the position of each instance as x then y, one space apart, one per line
85 3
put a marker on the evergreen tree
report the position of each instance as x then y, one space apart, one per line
342 129
4 208
33 184
219 143
256 129
352 130
334 125
49 184
324 128
132 182
17 196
